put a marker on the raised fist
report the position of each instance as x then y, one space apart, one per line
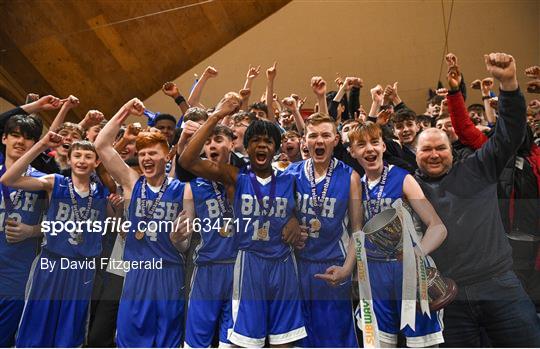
487 85
377 94
135 107
93 118
253 72
442 92
451 60
289 103
454 77
49 103
271 72
535 105
357 82
318 85
339 82
494 103
31 97
245 93
170 89
533 72
228 105
71 102
52 140
503 68
132 131
533 86
210 72
476 84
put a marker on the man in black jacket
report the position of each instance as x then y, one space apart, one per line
476 253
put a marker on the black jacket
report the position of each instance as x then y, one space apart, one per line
465 198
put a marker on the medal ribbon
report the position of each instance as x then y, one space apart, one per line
374 208
10 205
224 206
144 203
76 212
318 201
370 330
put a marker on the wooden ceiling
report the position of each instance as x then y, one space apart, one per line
108 51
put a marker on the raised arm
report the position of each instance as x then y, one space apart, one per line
92 118
270 77
14 174
251 75
196 93
436 231
190 157
319 88
291 104
68 104
110 158
376 100
170 89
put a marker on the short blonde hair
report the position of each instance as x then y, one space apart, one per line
369 130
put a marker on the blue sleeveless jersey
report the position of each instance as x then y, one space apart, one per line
215 245
330 242
16 258
67 243
393 190
155 243
268 243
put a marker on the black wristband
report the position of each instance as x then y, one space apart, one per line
486 97
180 99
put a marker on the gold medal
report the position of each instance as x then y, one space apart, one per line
139 235
262 233
223 232
315 224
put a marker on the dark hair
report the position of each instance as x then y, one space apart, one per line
27 125
262 128
165 117
223 130
82 145
404 115
195 114
244 115
435 100
259 105
423 117
476 107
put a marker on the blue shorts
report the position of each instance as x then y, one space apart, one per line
151 310
11 308
56 308
209 306
266 301
386 285
324 306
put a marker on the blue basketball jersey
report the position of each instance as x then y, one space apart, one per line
16 258
393 190
71 242
154 243
216 243
330 241
258 233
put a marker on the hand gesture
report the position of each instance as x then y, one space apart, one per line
442 92
487 85
135 107
357 82
377 94
339 82
390 93
383 117
494 103
454 77
245 93
291 231
290 103
31 97
52 140
318 85
534 105
228 105
503 68
117 203
93 118
70 102
533 86
451 60
49 103
132 131
253 72
533 72
271 72
17 231
476 84
210 72
334 275
170 89
181 229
